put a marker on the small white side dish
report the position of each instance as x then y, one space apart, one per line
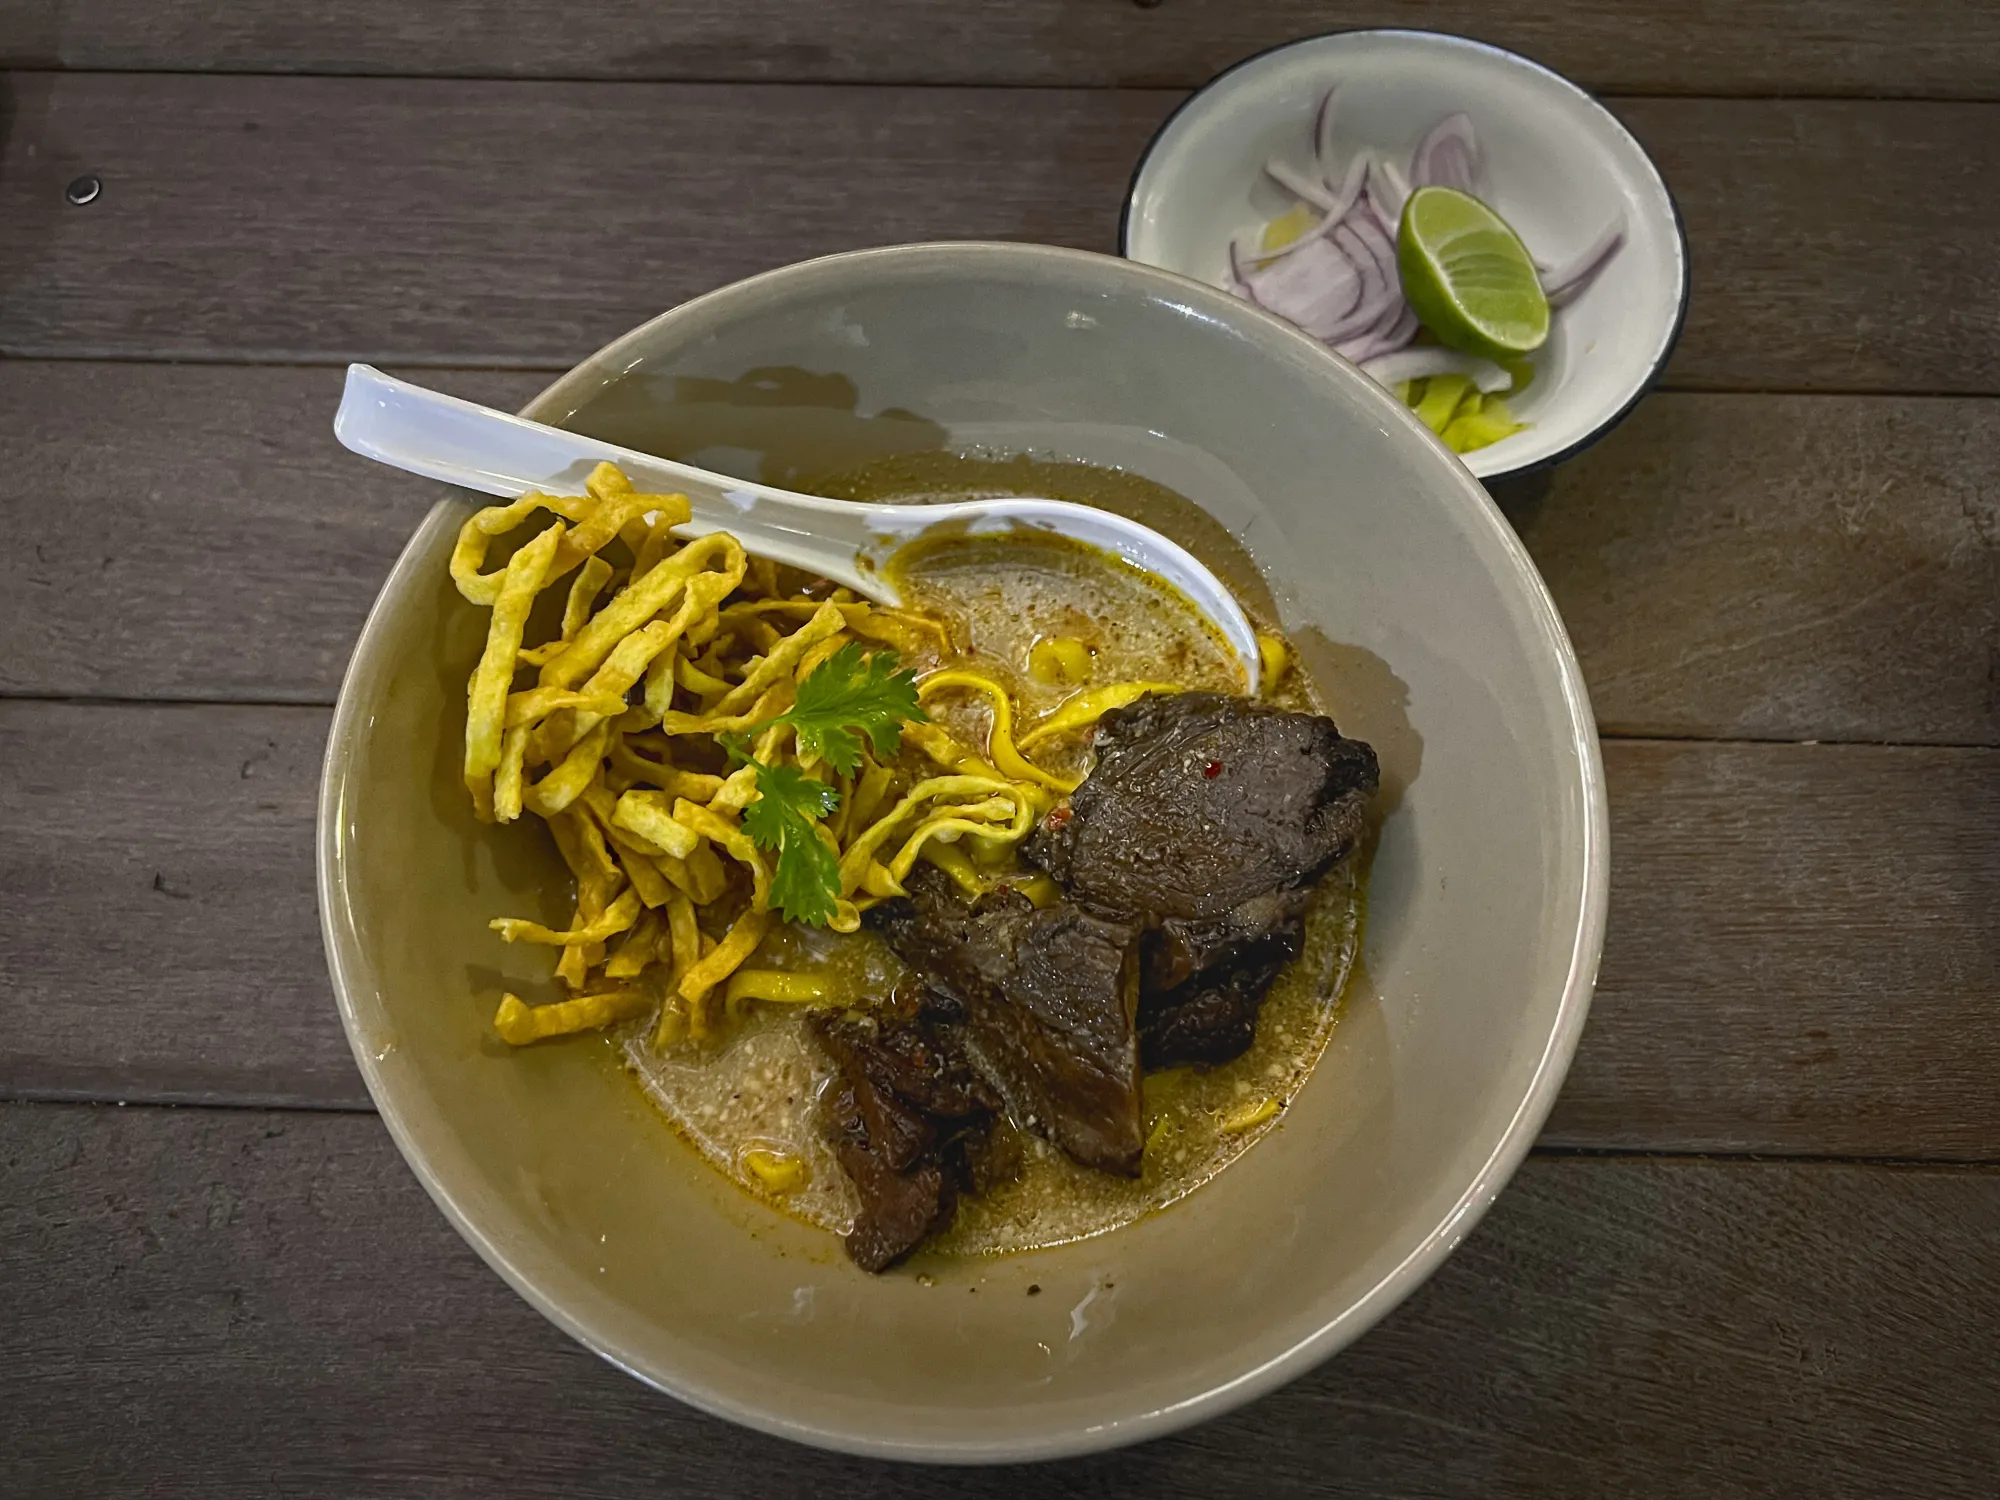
1558 167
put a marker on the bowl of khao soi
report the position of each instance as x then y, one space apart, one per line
975 1028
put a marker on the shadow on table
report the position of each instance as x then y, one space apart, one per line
1520 496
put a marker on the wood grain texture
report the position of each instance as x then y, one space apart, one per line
238 1304
193 531
1811 271
161 931
1733 566
503 224
1801 956
1782 567
1917 48
523 224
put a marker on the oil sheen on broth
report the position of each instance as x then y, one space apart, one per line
755 1091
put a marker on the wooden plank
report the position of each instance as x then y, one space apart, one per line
1730 566
1916 48
319 219
1800 958
162 939
1801 954
193 531
338 218
1782 567
237 1304
1810 272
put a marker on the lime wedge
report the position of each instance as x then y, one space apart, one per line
1469 277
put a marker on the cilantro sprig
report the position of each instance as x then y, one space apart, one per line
806 881
848 698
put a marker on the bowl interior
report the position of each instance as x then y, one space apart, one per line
1426 627
1559 168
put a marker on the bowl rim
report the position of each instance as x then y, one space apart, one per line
1428 37
346 964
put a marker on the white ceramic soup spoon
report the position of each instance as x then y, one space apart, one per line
459 442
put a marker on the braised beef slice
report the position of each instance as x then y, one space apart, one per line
1046 1001
1181 948
901 1109
1212 1017
1201 803
1205 821
1187 859
899 1207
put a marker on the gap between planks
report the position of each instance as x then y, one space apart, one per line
1730 567
265 1303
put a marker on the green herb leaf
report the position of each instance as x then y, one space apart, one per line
850 695
806 880
845 697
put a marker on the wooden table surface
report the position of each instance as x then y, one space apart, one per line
1758 1249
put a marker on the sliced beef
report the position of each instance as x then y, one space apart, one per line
899 1206
1186 859
1200 803
1206 821
1045 1002
1212 1017
1182 947
900 1113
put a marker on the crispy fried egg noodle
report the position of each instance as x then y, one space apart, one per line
610 730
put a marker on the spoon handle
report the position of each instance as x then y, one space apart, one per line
460 442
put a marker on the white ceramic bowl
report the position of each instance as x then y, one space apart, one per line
1559 167
1410 600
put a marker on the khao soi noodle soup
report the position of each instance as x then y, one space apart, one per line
983 923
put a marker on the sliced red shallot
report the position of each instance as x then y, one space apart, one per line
1365 243
1448 156
1377 346
1367 316
1364 341
1563 284
1343 202
1339 280
1238 277
1389 224
1299 185
1381 244
1421 364
1351 184
1398 183
1377 297
1318 288
1323 132
1384 197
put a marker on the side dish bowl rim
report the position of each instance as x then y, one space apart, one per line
1655 370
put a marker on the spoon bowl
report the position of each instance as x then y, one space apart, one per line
460 442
